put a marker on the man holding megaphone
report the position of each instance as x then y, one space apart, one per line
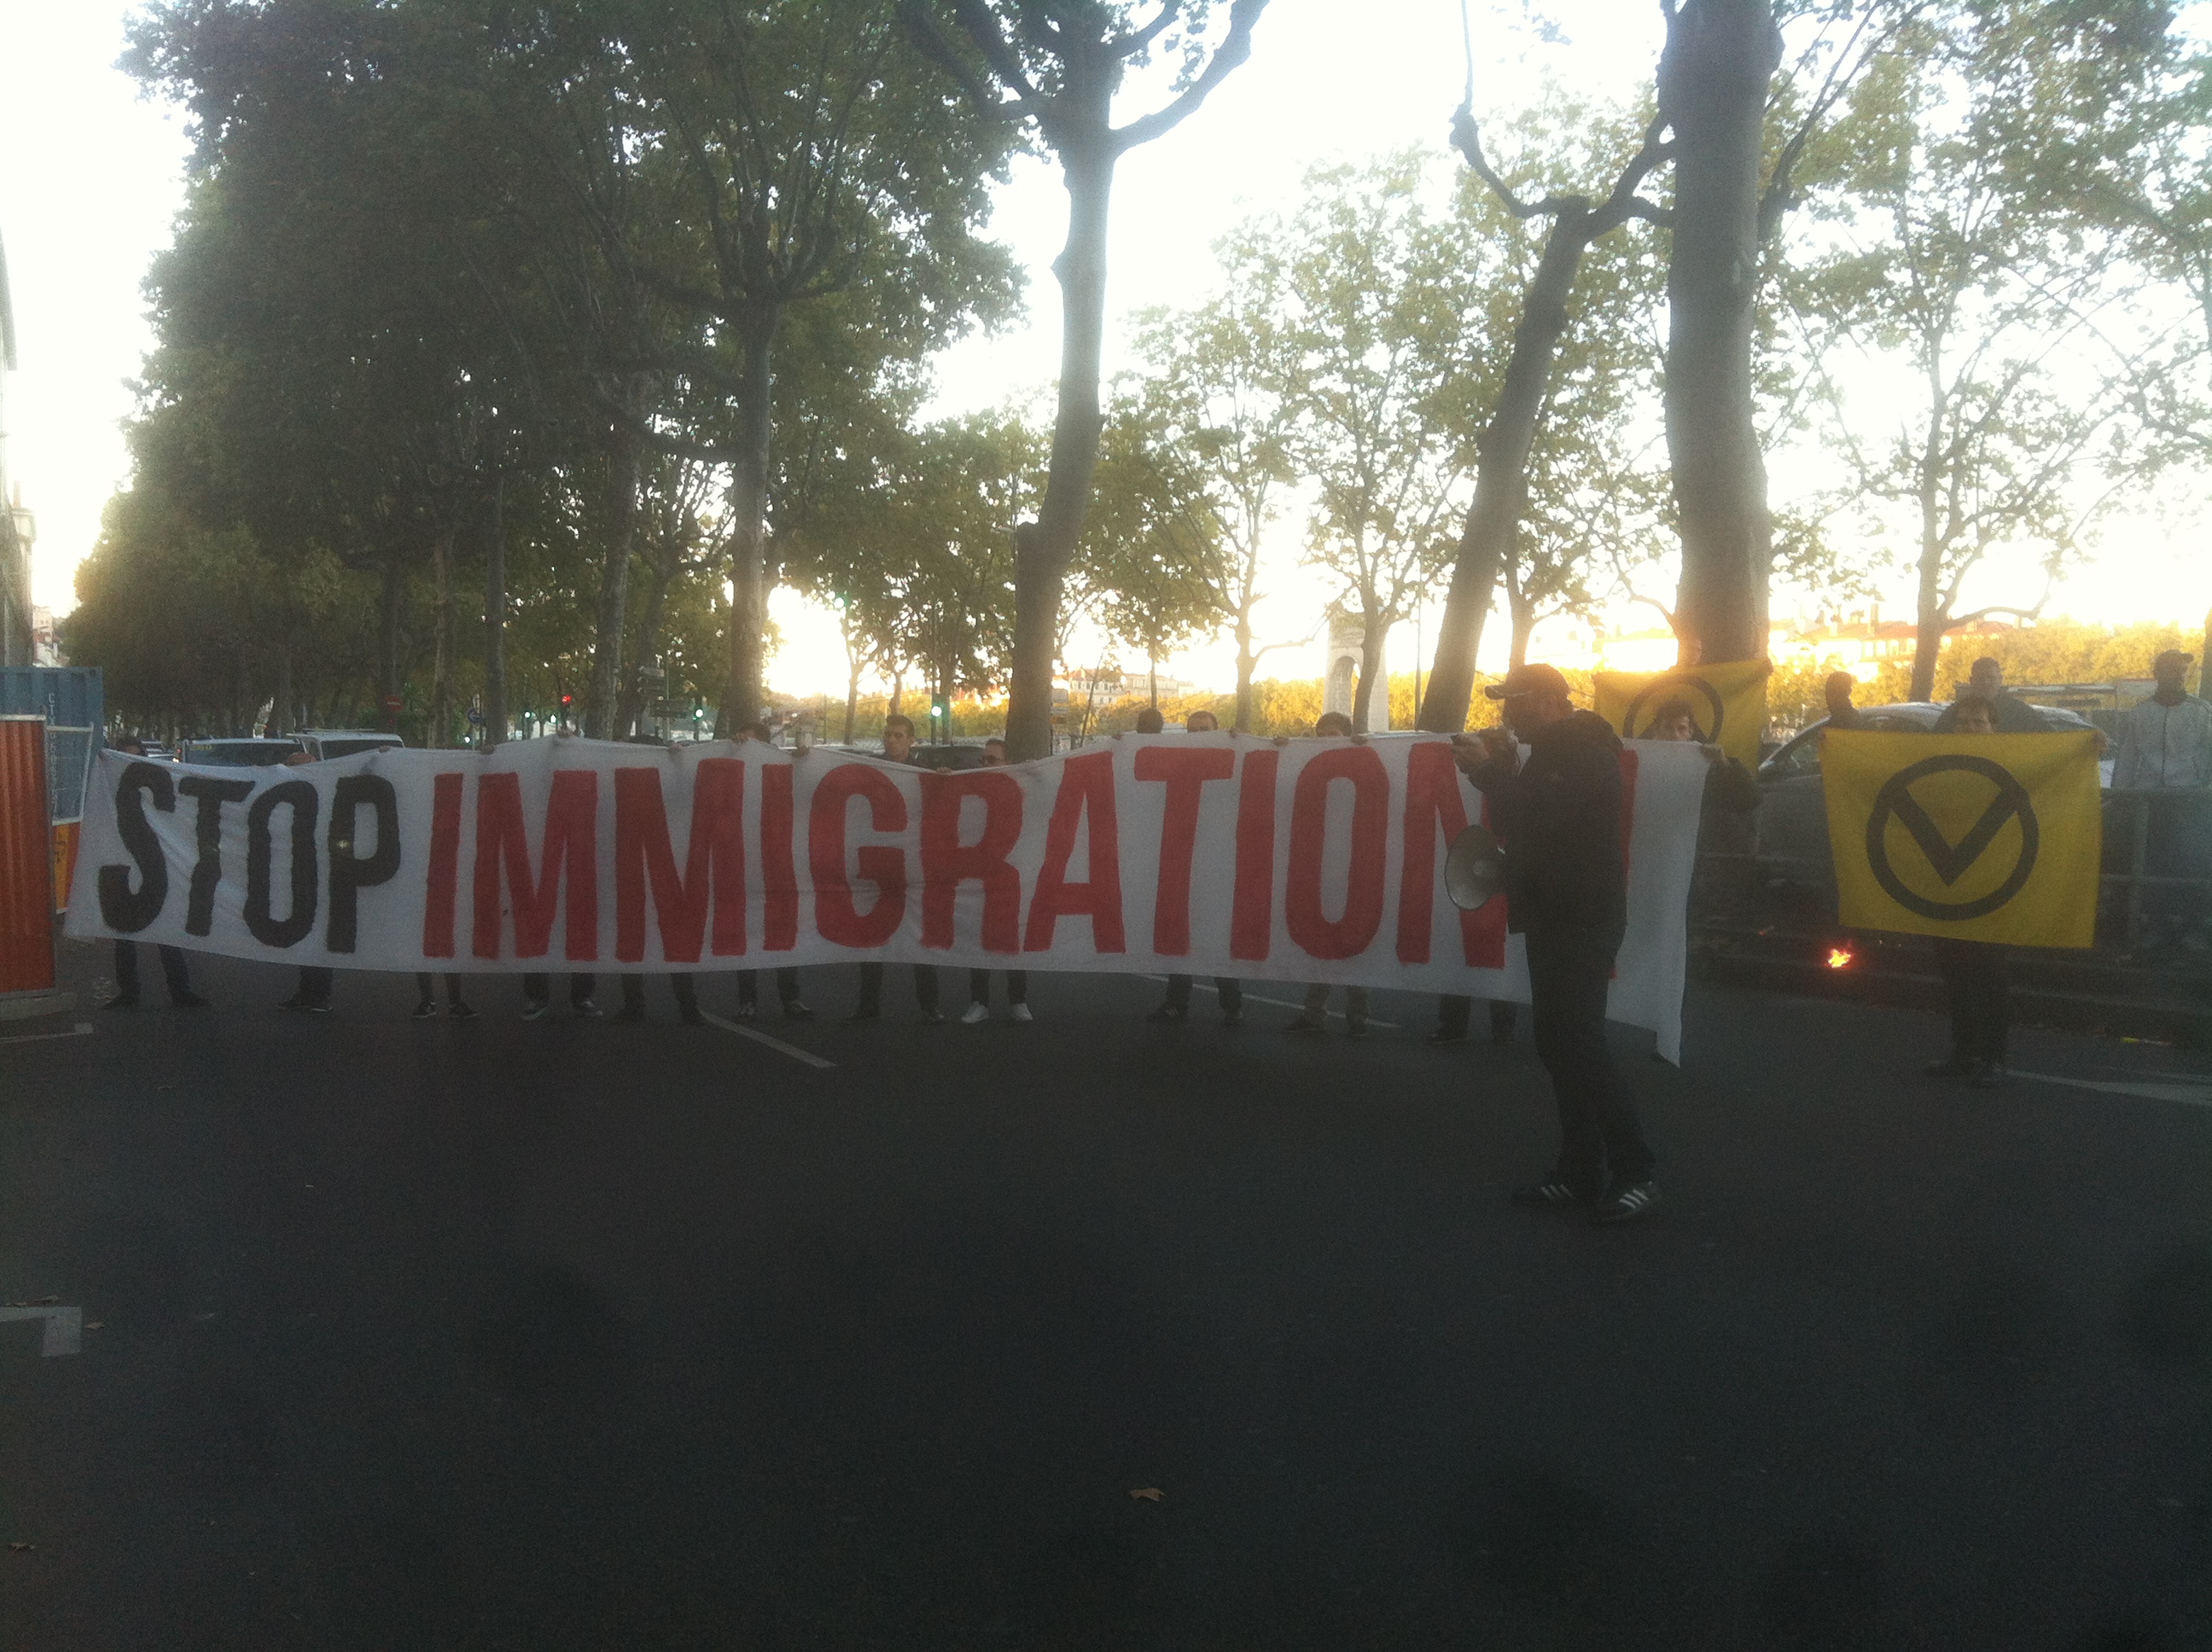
1558 814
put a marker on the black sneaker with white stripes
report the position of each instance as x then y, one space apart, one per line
1626 1202
1551 1195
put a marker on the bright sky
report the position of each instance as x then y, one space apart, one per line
96 181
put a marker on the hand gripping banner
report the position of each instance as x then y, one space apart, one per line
1298 861
1728 702
1981 837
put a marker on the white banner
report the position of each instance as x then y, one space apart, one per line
1210 854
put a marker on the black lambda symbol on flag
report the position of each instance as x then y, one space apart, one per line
1950 861
1661 689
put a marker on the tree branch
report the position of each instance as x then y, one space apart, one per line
1235 48
1137 39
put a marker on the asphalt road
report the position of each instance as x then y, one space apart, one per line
422 1335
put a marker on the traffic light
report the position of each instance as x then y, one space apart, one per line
940 712
567 701
698 711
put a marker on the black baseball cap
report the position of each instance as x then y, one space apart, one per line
1529 679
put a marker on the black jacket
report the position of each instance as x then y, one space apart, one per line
1559 820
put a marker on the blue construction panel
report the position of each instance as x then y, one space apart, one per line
67 696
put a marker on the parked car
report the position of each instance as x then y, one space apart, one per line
246 752
325 743
1792 843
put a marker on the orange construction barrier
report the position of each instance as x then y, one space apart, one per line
27 866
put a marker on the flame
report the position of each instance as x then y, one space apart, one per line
1839 957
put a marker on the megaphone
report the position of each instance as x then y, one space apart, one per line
1474 870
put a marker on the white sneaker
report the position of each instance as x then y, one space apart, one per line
974 1013
534 1011
1022 1012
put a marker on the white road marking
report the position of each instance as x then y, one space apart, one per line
64 1326
760 1037
2194 1095
81 1029
1279 1002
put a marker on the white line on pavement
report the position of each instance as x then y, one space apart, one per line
760 1037
2195 1095
79 1030
1279 1002
64 1326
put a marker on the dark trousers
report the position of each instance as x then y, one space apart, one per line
681 984
174 972
786 986
925 986
1018 986
1455 1013
316 981
1232 992
1599 1134
1981 1002
538 989
453 989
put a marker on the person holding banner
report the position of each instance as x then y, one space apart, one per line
898 748
1557 816
1314 1017
176 973
1974 973
979 980
1175 1005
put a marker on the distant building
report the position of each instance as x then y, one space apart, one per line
1861 641
1102 688
1339 686
45 645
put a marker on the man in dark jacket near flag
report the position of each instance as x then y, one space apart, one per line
1557 815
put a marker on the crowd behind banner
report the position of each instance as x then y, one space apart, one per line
1307 861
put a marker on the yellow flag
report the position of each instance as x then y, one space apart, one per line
1728 702
1983 837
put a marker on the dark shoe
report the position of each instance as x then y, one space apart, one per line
1355 1026
1446 1035
536 1008
1170 1013
748 1009
122 1001
935 1017
299 1001
1954 1066
1306 1024
630 1015
459 1012
185 1001
689 1014
588 1010
426 1011
1551 1195
1986 1075
865 1012
1232 1015
1627 1202
795 1010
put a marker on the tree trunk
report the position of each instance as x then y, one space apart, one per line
1524 627
1246 663
1491 539
280 705
898 690
852 697
2204 660
1713 75
1373 633
742 700
1044 549
614 586
659 571
495 663
387 649
441 642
